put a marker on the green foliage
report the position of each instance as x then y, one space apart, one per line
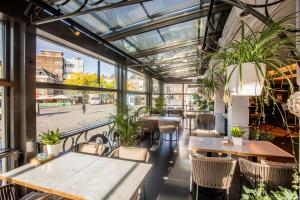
127 124
159 105
261 135
237 131
257 47
51 137
261 194
202 102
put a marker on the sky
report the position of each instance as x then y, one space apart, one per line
89 63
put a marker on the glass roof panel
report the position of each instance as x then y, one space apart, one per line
179 32
124 45
146 40
158 6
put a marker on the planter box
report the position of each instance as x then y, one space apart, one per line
252 81
53 149
237 141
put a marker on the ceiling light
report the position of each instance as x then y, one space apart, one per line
74 31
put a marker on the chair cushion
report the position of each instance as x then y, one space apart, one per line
277 164
133 153
205 133
91 148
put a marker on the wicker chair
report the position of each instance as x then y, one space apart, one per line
149 126
272 175
131 153
8 192
205 133
212 172
206 119
168 127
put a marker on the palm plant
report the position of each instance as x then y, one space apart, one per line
159 105
127 124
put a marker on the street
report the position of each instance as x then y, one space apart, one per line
68 118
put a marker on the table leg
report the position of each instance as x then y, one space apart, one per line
190 125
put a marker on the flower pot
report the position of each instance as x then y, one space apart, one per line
252 81
53 149
237 141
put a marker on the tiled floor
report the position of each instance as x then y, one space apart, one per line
169 178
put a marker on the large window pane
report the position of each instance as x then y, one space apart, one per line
172 88
107 75
73 109
192 88
57 64
136 82
2 127
136 101
155 86
173 101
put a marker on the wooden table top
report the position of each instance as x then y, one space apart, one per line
80 176
158 118
249 148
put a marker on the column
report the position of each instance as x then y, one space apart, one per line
238 114
219 109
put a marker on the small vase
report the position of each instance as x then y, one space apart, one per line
53 149
237 141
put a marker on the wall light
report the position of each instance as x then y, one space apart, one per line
74 31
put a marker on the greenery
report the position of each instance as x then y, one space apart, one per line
51 137
261 194
261 135
202 102
237 131
127 124
159 105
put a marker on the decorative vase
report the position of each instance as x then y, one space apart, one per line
237 141
252 81
53 149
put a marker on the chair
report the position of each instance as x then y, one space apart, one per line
131 153
272 174
168 127
206 119
8 192
212 172
91 148
149 126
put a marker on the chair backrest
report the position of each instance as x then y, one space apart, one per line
131 153
92 148
271 175
167 126
148 125
8 192
213 172
206 118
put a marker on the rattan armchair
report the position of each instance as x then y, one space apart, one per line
271 175
212 172
91 148
168 127
131 153
8 192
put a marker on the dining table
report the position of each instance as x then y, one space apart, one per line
81 176
191 115
162 118
252 148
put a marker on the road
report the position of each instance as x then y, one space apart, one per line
71 117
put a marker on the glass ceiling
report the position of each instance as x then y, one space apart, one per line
109 21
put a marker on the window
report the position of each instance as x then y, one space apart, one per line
191 88
173 101
70 105
136 101
173 88
73 109
155 86
136 82
57 64
107 75
2 51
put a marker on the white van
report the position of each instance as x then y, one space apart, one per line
94 99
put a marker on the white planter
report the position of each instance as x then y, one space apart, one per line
53 149
252 79
237 141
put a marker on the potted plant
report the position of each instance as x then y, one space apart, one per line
52 141
237 135
127 125
243 62
159 105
